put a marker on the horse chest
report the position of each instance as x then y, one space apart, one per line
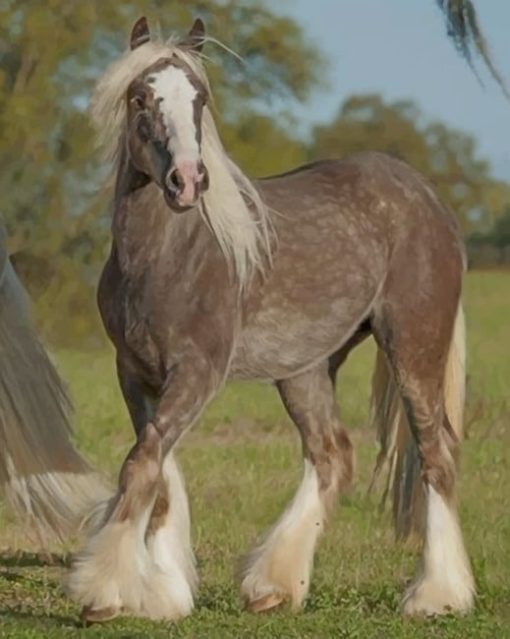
160 331
128 318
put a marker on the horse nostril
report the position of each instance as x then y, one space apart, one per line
175 180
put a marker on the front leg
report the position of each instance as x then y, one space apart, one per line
190 385
188 389
140 561
168 535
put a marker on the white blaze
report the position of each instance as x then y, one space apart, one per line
176 94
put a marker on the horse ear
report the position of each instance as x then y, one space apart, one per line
140 33
195 38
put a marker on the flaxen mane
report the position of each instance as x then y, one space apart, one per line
232 207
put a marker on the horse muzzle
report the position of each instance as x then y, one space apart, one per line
184 184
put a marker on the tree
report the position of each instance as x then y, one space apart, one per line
447 156
49 59
261 146
498 235
50 55
501 231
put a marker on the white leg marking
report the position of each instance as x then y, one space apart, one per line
281 566
113 569
446 582
170 546
119 570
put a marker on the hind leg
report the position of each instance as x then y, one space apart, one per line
444 581
416 339
280 568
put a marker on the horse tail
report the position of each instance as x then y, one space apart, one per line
398 450
43 477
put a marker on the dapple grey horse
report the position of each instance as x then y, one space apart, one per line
213 276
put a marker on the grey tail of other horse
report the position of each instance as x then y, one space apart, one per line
398 451
43 477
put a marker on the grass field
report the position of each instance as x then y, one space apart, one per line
242 464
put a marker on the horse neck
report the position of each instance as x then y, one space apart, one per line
143 225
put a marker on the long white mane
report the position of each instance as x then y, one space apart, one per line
233 208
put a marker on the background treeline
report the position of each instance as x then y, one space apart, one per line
57 216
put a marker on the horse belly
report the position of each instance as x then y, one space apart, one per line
280 342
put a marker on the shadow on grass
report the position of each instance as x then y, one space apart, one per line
40 619
367 598
22 559
218 609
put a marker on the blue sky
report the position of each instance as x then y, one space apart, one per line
399 48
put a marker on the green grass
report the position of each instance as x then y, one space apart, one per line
242 464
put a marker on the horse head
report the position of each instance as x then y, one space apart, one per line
165 103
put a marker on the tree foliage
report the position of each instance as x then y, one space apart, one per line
51 52
498 235
50 55
449 158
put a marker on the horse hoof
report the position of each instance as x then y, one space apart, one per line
99 615
266 603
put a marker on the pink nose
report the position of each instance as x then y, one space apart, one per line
185 180
188 172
